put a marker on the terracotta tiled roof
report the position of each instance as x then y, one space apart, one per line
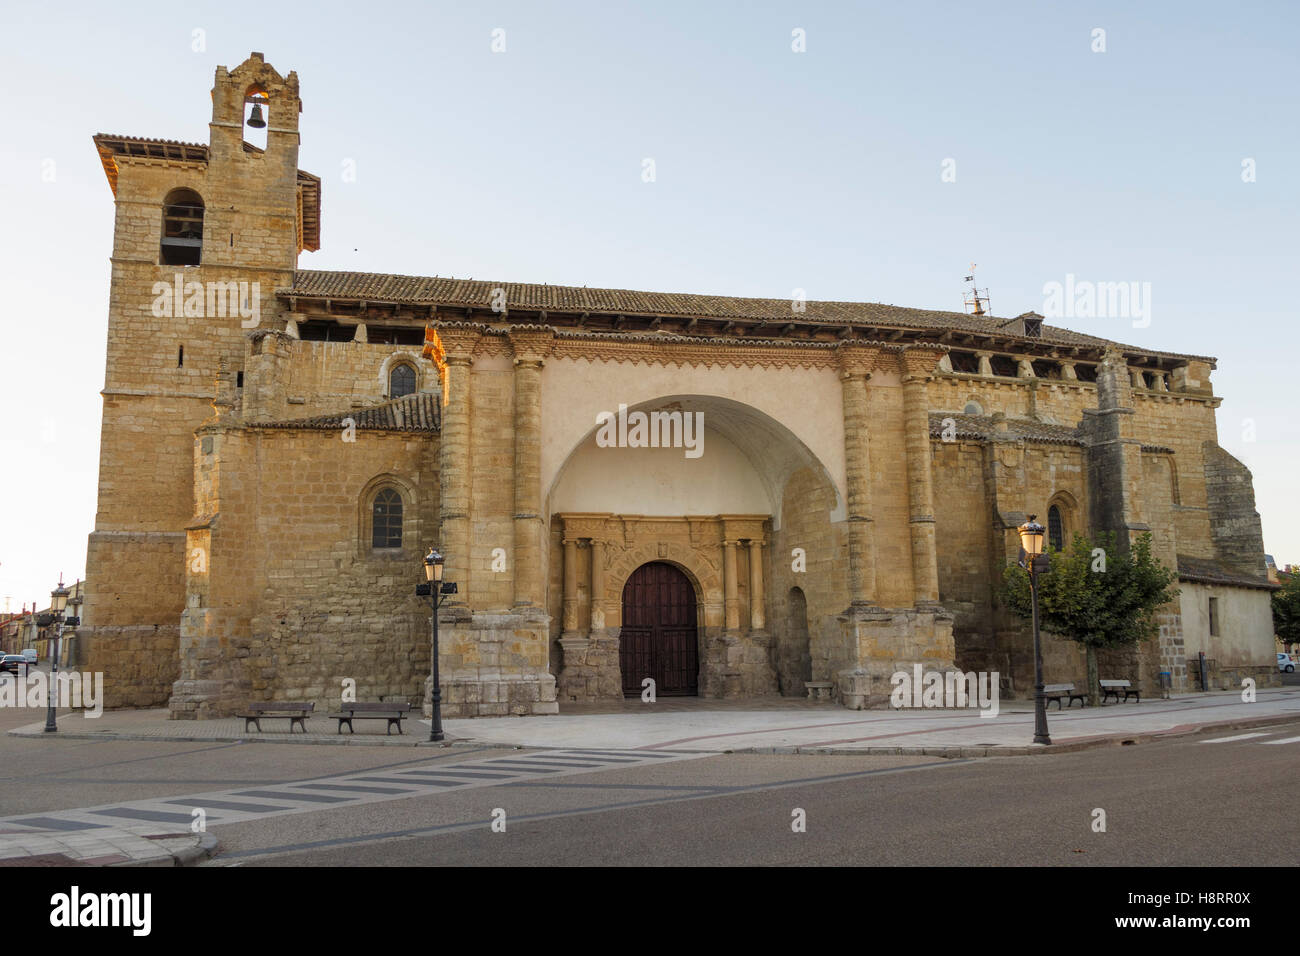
982 428
1206 571
411 413
112 146
434 290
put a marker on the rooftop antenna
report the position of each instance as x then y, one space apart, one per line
973 301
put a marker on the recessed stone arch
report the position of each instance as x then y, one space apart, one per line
411 530
401 357
769 449
704 574
1067 507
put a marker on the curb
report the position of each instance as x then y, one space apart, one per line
205 847
1033 750
362 741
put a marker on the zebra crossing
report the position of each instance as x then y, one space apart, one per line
1237 738
170 814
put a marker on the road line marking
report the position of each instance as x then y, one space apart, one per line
547 763
151 816
285 795
229 805
1224 740
1286 740
517 765
467 775
340 786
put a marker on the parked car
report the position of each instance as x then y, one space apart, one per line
1285 663
13 664
30 654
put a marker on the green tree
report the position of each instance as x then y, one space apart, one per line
1286 610
1097 594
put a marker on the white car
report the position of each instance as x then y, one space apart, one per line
30 654
1285 663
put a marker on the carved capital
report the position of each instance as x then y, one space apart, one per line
531 344
461 340
920 361
857 360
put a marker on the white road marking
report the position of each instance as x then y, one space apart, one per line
1285 740
170 813
1224 740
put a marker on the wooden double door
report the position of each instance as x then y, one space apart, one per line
659 638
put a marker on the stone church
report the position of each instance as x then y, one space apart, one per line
732 497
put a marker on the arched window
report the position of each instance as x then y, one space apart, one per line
401 381
387 523
182 235
972 408
257 114
1055 529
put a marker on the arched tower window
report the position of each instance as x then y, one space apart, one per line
972 408
1055 529
257 113
387 520
182 234
401 381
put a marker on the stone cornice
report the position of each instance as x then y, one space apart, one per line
667 349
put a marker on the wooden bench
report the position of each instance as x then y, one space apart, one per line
1111 688
1054 692
295 713
390 711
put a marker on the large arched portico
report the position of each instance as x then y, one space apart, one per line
717 516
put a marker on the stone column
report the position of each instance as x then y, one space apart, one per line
454 462
530 347
756 615
986 363
856 363
730 585
597 585
917 366
570 586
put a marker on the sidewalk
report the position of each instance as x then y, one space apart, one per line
107 846
768 725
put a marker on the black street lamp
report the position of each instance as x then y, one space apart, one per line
435 589
74 618
1034 561
58 604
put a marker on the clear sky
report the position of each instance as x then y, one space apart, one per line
774 170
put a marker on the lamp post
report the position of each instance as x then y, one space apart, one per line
1031 545
58 604
74 619
435 588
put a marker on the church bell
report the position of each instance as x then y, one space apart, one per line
255 120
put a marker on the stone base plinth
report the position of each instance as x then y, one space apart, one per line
590 669
889 641
502 696
205 699
737 664
493 664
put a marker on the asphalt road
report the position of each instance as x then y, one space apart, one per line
1185 801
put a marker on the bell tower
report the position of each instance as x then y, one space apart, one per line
254 192
203 236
